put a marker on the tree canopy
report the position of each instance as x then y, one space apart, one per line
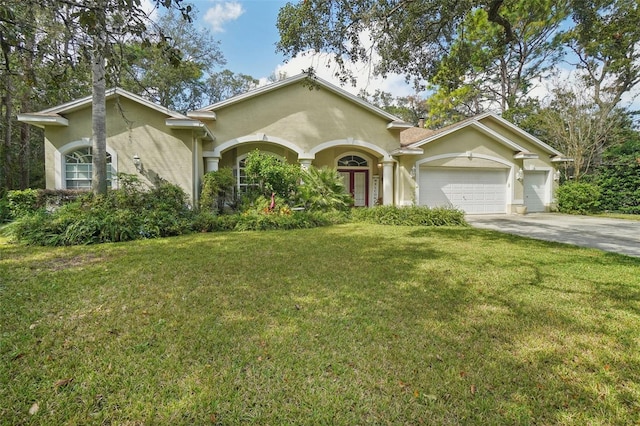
475 54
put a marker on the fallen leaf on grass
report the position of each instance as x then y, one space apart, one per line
63 382
473 389
34 408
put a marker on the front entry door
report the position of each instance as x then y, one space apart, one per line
356 183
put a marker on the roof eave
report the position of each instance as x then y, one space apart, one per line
43 120
523 155
399 125
202 115
189 124
407 151
481 127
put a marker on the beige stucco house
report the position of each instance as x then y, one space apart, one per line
481 165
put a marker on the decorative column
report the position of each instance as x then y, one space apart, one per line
212 164
305 163
387 182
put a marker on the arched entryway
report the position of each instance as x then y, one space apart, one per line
355 169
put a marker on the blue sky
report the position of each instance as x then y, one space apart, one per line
247 33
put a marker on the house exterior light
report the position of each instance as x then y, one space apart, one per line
137 162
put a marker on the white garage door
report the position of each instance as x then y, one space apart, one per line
534 190
472 190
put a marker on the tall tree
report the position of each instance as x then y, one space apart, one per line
194 52
576 126
481 72
225 84
36 70
410 108
605 43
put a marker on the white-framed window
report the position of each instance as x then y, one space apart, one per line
78 168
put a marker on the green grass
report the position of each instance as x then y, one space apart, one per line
350 324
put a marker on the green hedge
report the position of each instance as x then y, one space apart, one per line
258 221
410 216
578 198
120 215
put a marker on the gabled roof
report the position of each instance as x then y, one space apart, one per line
54 116
476 123
394 122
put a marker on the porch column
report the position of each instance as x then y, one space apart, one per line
212 164
304 163
387 182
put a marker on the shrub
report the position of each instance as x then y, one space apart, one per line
210 222
270 175
410 216
23 202
217 189
578 198
254 221
120 215
619 178
323 190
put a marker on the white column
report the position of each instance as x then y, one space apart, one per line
387 182
305 163
212 164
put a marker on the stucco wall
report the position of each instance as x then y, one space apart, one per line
131 129
303 117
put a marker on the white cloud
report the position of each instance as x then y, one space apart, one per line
221 13
325 68
366 79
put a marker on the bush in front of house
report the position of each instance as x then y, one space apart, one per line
578 198
410 216
124 214
619 178
323 190
217 190
27 201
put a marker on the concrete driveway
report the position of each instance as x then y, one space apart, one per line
613 235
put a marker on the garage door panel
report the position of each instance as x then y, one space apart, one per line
472 190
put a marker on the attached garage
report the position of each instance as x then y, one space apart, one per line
535 187
473 190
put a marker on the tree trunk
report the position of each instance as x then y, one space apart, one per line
7 167
99 123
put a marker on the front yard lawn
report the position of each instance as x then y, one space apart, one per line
350 324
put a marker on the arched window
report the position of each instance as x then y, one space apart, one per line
352 161
78 168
